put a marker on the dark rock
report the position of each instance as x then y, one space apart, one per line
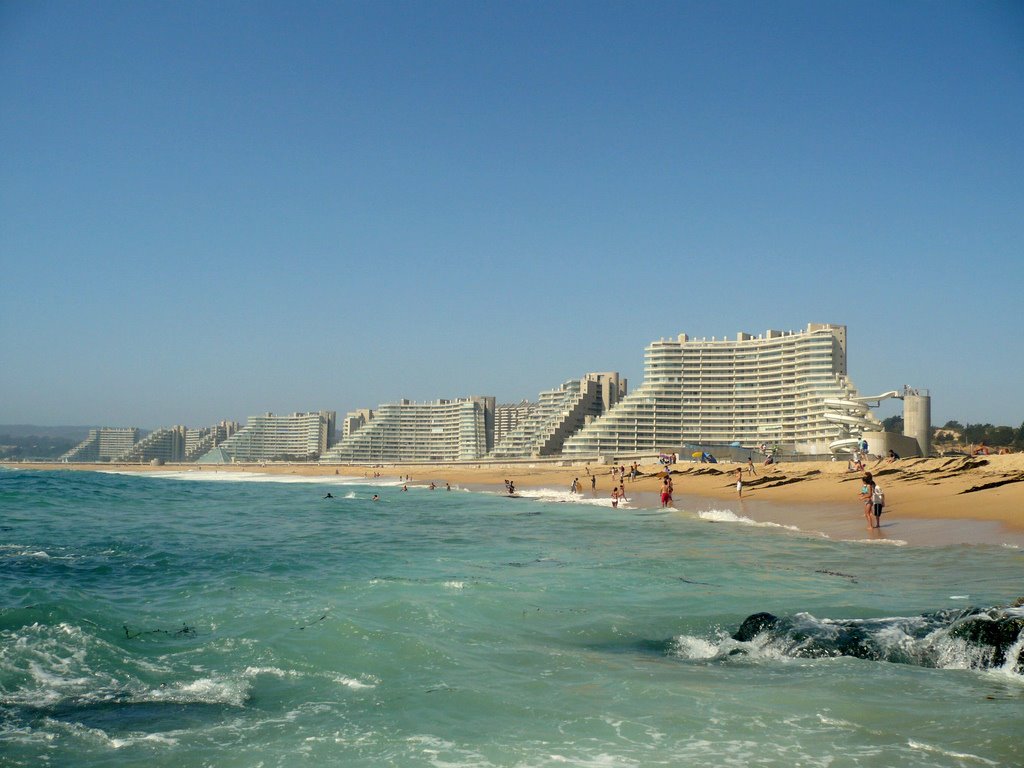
754 625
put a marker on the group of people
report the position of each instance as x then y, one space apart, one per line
666 490
510 488
619 473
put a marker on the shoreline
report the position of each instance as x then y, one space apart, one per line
930 502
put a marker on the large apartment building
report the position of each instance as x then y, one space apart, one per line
440 430
166 444
543 427
510 416
104 444
748 390
271 437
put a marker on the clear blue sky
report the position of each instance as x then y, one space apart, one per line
210 210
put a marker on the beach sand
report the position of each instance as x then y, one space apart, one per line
939 501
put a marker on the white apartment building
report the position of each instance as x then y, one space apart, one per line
200 440
269 437
509 416
440 430
560 413
104 444
166 444
748 390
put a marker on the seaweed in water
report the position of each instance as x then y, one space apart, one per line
185 631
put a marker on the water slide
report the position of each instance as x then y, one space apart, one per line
851 420
852 413
845 444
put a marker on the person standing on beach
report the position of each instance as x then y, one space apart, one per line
739 482
866 492
666 492
750 466
575 485
593 482
877 502
615 497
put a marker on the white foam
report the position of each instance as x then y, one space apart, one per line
728 516
922 747
351 682
348 682
886 542
155 738
690 647
231 476
24 551
455 584
559 496
205 690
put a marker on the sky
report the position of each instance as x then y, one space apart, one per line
214 210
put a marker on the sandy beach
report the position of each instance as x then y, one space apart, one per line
938 501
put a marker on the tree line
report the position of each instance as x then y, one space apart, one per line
31 447
955 433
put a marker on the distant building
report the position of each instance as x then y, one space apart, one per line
200 440
354 421
269 437
104 444
542 429
768 389
166 444
440 430
509 416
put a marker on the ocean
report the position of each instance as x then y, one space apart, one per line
203 619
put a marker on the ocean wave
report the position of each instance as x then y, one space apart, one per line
922 747
294 674
989 640
728 516
230 476
204 690
14 550
879 542
558 496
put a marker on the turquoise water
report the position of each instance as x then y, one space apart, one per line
167 621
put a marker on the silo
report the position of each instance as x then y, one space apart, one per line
917 418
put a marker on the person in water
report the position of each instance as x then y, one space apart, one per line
666 492
328 496
376 497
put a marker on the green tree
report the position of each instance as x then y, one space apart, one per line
1000 436
893 424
